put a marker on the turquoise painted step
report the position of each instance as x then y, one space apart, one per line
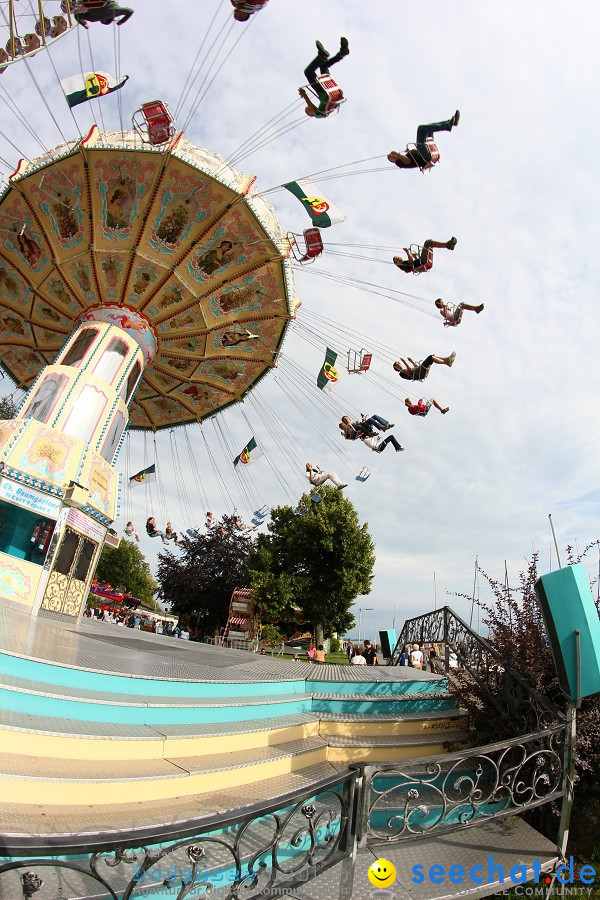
367 707
47 673
140 713
438 686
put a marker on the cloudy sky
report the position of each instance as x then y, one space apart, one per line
517 185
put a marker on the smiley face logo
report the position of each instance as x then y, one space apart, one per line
382 873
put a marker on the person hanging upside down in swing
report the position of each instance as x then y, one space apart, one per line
108 13
420 156
323 61
422 407
317 477
412 371
453 314
424 260
243 9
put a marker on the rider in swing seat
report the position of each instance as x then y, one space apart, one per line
323 62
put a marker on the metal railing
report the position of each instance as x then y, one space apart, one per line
510 693
412 799
270 849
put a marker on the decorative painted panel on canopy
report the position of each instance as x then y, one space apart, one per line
169 232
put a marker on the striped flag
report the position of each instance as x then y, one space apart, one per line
322 210
250 452
88 85
148 474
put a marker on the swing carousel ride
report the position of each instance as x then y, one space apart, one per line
145 270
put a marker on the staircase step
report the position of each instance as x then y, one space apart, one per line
346 749
86 705
437 721
405 740
81 782
55 824
71 739
366 704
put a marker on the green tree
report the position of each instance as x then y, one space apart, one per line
320 560
126 569
8 408
271 636
200 580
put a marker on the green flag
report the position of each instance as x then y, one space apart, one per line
322 210
250 452
148 474
88 85
328 374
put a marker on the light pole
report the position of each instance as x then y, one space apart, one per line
361 610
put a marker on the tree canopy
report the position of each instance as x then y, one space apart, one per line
199 581
8 408
319 560
126 569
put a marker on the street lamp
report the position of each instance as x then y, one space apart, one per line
361 610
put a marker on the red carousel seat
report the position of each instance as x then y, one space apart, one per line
314 243
333 90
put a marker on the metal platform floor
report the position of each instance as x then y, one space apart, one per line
511 842
103 647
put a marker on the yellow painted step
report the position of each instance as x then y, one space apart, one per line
382 754
54 746
48 782
374 728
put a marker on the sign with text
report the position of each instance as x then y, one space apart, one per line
29 498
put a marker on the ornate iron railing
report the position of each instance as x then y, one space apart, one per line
508 691
268 851
272 849
406 801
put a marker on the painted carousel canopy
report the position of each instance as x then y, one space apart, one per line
170 237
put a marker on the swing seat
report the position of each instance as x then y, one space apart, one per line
315 497
359 361
154 123
417 250
300 512
425 165
363 474
454 322
334 93
313 245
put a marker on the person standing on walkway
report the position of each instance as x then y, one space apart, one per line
370 654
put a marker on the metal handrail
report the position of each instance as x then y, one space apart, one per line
505 687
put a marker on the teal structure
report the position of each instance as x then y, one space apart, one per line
568 607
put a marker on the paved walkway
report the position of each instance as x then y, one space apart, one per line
511 842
